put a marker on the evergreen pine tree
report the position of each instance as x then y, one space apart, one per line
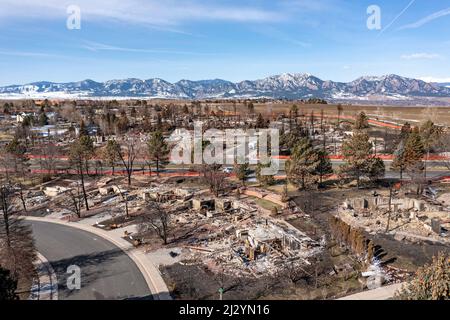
431 282
83 130
8 285
304 163
158 149
260 122
356 151
43 119
241 171
265 180
414 151
325 167
362 121
399 162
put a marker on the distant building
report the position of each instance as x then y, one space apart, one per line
21 116
52 116
48 130
92 130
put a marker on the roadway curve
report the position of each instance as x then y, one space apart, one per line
106 271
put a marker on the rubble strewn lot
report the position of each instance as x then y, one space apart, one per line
405 218
230 238
234 237
209 227
232 241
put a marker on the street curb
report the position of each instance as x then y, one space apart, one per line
46 277
382 293
151 274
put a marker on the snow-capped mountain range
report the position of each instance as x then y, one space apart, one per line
446 84
287 85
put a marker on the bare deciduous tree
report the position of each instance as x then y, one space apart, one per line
49 158
443 146
127 154
80 153
76 200
124 196
215 178
156 218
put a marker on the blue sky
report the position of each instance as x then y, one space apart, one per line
228 39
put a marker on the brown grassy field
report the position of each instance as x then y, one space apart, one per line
399 114
439 115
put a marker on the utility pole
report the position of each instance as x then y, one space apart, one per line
426 163
390 208
335 146
375 145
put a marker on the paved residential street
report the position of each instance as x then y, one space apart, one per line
106 271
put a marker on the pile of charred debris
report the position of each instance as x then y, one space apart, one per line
231 234
405 217
235 237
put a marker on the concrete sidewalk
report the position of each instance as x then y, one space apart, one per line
382 293
150 272
46 285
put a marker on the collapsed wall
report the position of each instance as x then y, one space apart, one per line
408 217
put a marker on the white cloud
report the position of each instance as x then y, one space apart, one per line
96 47
416 56
434 79
165 13
308 5
427 19
28 54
